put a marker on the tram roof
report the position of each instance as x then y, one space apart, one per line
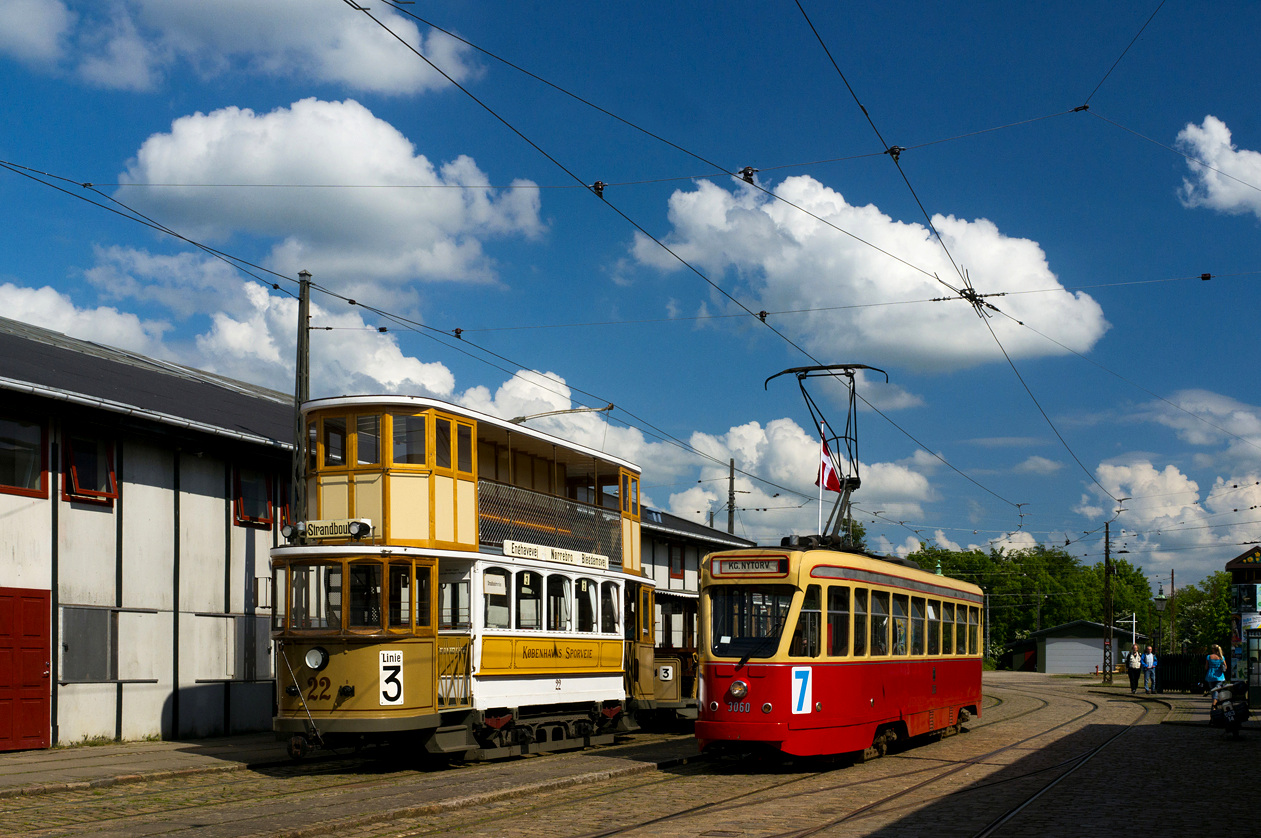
484 420
50 365
862 561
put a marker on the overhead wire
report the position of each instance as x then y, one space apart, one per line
641 229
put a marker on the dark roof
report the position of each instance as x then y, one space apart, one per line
51 365
1079 628
655 520
1249 558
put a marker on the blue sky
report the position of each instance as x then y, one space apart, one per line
304 135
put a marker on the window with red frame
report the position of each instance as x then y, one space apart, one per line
22 458
676 561
254 507
90 470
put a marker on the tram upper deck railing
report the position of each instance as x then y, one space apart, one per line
510 513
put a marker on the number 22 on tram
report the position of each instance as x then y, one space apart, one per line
820 651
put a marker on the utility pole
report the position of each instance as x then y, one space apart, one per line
301 394
1107 601
1173 616
731 499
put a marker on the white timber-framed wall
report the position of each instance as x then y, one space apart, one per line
149 534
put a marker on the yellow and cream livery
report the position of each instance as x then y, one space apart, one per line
460 580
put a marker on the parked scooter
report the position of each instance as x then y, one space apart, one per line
1230 706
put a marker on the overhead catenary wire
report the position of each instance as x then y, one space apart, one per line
597 188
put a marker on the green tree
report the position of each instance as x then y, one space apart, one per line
1203 612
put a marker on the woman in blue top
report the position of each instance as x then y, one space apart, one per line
1214 669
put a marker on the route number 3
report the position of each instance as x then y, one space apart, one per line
802 690
391 686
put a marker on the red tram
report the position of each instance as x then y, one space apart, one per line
821 651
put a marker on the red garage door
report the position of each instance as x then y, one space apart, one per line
25 698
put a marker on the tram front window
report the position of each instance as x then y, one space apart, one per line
315 597
365 596
747 622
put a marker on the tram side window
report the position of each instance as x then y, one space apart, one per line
609 597
496 602
879 622
559 609
529 600
806 637
367 440
365 596
947 628
900 627
586 596
838 620
974 624
453 605
933 607
442 443
315 596
334 441
917 625
400 581
408 439
860 622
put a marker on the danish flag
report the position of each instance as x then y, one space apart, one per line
827 478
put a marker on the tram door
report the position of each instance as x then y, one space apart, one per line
639 648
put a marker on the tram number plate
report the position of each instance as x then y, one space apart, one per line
802 690
738 707
391 686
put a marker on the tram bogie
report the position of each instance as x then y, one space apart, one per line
820 652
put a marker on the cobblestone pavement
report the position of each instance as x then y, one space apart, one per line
1067 756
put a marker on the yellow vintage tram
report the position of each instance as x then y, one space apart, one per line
464 582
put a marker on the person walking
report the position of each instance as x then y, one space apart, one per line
1214 669
1133 667
1149 671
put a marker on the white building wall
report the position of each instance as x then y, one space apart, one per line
148 524
25 549
203 511
85 553
86 711
1070 655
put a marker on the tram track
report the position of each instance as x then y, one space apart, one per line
878 806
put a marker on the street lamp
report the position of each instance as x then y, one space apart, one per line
1161 600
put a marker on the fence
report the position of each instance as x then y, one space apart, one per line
1179 673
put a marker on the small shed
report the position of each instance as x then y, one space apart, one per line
1075 647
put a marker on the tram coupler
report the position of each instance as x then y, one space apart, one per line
299 746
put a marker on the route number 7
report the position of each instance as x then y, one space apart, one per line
802 690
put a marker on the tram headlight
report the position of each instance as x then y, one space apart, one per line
739 689
316 658
766 708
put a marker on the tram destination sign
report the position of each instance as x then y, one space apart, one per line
755 566
525 550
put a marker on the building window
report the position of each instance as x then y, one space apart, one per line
254 506
676 561
89 652
90 470
22 446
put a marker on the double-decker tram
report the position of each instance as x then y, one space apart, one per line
465 584
815 651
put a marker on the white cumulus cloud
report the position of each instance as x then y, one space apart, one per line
33 31
774 256
1223 177
138 44
372 210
